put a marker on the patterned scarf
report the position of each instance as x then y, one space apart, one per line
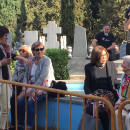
125 87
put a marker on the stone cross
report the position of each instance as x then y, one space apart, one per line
63 42
52 30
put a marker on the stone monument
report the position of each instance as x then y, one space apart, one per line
123 49
30 37
9 40
63 42
78 61
52 30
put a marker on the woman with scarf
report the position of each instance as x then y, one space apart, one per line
124 94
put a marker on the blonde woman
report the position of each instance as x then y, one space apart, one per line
18 75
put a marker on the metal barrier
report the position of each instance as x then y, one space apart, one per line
120 113
70 94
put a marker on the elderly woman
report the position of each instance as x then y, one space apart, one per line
41 72
100 80
124 94
18 75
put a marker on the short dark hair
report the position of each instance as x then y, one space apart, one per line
96 54
3 31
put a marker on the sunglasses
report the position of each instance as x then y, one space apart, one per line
22 50
39 49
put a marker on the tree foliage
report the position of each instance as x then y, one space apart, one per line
91 14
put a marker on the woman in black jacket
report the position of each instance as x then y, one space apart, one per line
100 79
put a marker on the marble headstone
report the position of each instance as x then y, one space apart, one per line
30 37
52 30
9 40
63 42
42 39
78 61
80 42
122 50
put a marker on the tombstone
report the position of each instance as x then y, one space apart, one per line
78 61
63 42
69 48
123 49
52 30
9 40
30 37
42 39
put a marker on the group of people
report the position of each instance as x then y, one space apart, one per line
100 79
32 67
100 76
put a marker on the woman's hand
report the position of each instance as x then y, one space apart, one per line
6 61
39 92
31 96
22 59
27 61
22 94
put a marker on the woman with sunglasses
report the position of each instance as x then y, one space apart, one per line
18 75
41 72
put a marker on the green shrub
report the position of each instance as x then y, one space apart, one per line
12 66
60 60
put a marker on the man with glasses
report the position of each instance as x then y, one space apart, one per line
105 39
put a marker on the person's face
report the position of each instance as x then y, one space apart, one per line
106 29
39 51
125 65
23 52
103 58
3 40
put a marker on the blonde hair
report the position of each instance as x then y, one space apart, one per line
27 48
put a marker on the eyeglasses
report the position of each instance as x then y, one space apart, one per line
39 49
22 50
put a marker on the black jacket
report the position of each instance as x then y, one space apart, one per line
91 78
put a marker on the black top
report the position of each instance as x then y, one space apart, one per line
103 40
91 78
5 73
102 81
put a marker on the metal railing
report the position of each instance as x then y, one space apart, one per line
120 121
70 94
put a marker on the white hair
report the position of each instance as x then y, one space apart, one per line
128 59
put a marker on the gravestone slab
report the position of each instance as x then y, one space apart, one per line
42 39
80 42
78 61
9 40
122 50
52 30
30 37
63 42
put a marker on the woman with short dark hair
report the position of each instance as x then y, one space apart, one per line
100 79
